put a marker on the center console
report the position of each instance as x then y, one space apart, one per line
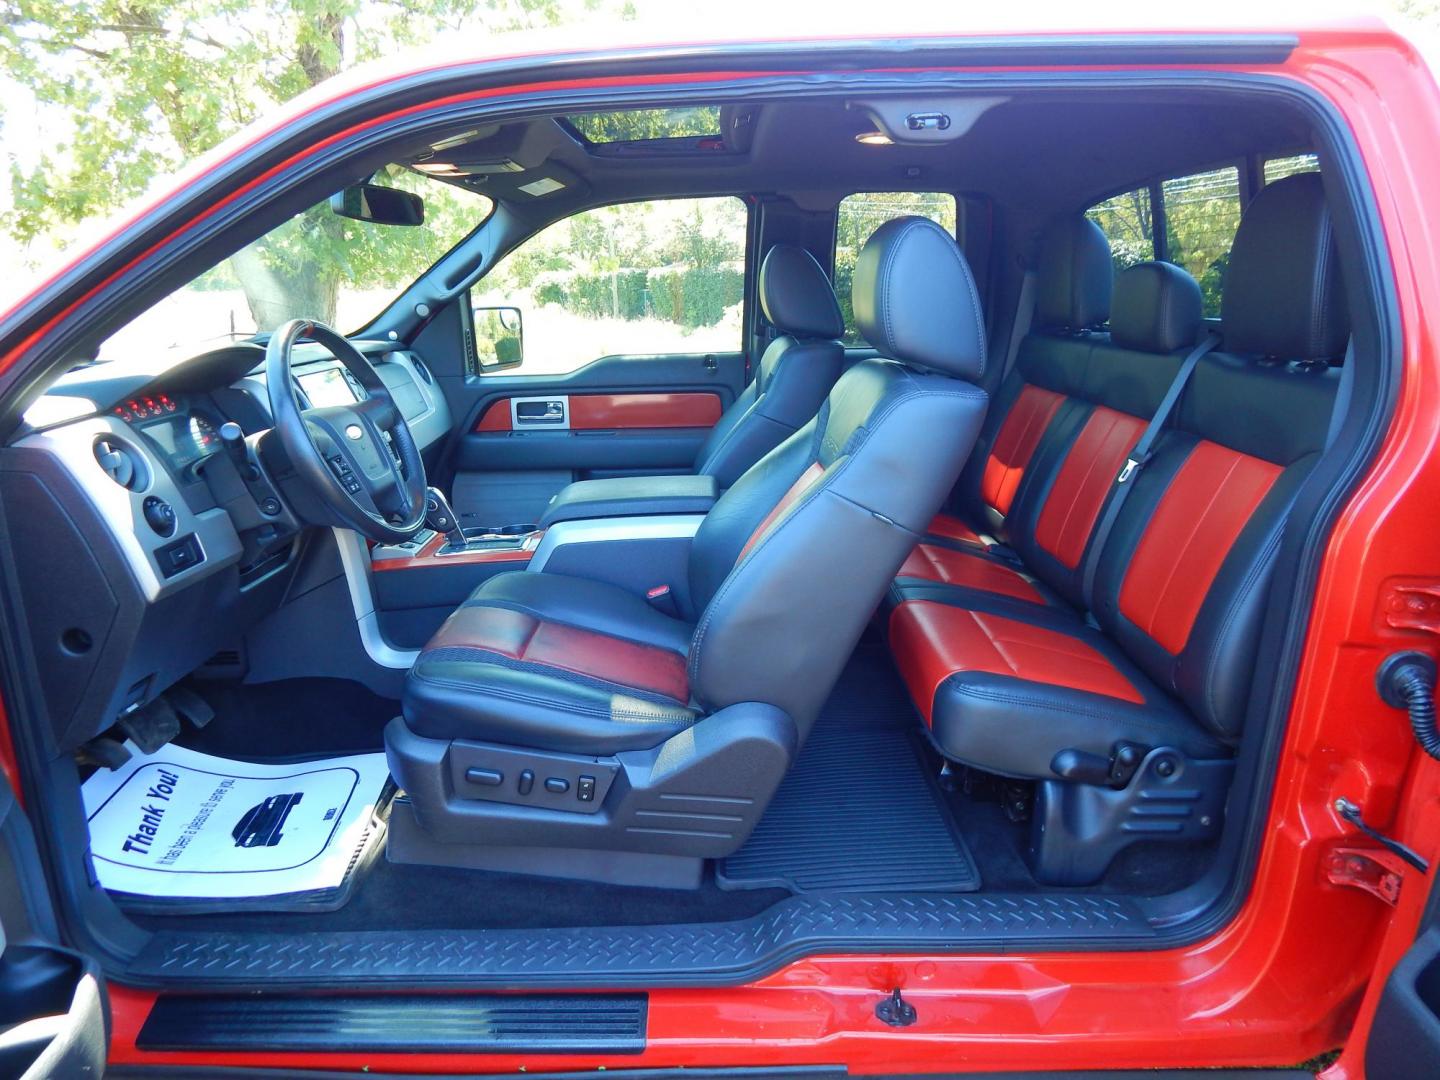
634 532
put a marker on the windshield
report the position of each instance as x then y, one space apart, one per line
318 265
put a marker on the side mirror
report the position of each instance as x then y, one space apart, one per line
499 337
379 205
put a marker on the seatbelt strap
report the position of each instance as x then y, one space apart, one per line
1024 318
1343 393
1139 458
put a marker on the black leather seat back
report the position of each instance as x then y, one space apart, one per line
795 373
793 559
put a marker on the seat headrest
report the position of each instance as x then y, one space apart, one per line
1283 295
1073 275
796 296
1157 308
915 299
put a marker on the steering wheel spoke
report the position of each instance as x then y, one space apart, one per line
359 460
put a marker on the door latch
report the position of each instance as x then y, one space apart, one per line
1351 813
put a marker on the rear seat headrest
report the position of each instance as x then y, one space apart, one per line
1157 308
1283 295
915 299
1073 275
796 296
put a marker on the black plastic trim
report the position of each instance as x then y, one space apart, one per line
695 954
399 1023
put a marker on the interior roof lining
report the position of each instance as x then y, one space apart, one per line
1097 141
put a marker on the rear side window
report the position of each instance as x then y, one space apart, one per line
860 215
1281 167
1202 214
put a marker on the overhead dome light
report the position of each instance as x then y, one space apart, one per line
874 138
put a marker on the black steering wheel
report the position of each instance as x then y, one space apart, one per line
359 460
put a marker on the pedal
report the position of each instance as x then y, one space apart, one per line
151 726
191 706
103 753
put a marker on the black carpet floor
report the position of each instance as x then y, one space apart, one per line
322 717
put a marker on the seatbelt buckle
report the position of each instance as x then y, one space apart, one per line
662 599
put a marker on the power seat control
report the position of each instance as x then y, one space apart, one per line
585 789
557 785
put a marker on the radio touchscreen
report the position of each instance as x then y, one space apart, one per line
327 388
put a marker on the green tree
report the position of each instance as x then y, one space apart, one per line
146 85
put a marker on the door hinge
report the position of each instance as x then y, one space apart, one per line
1375 870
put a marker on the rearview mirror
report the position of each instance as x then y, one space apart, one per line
499 337
379 205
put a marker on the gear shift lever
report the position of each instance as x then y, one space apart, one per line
441 518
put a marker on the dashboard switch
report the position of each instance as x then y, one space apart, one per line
159 515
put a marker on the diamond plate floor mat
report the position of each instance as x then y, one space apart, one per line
858 812
692 954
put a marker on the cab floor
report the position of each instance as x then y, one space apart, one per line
308 717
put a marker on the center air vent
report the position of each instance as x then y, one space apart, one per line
121 463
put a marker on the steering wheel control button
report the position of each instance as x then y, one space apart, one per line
557 786
585 789
159 515
485 777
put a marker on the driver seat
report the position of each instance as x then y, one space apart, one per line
564 726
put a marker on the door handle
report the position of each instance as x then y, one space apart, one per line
540 412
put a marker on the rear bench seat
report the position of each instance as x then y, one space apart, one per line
1072 300
1127 716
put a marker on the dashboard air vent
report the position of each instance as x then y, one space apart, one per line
120 463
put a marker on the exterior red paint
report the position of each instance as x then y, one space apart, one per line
1290 976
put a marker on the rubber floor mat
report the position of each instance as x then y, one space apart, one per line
858 812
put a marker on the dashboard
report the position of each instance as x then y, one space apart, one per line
150 543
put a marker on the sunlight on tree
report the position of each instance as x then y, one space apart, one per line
147 85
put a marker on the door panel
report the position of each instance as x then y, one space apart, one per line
524 438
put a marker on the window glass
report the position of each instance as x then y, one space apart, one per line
317 265
666 276
634 125
1202 213
1129 224
1279 168
863 213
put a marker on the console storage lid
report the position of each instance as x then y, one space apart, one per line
631 496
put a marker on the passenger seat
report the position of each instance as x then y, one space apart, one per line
1128 718
795 374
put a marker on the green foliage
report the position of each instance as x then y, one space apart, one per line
1202 214
146 85
630 125
1127 222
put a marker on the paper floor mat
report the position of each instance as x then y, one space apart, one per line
183 825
